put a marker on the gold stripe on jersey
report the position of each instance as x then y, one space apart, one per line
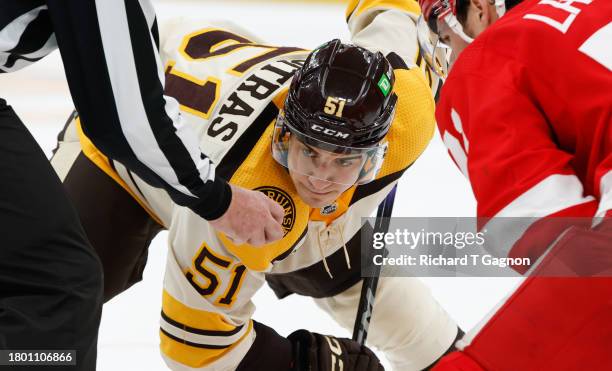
101 161
260 170
414 122
356 8
191 354
191 317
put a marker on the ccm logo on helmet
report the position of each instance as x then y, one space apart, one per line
330 132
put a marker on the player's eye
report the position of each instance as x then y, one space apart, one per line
345 162
307 152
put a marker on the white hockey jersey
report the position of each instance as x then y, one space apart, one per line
230 86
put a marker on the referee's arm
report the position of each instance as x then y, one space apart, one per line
116 80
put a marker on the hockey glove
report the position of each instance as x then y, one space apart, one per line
315 352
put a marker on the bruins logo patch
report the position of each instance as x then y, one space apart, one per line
283 199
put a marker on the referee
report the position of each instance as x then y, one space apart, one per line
50 278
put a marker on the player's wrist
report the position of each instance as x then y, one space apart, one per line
301 341
217 201
269 351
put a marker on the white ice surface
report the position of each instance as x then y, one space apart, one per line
432 187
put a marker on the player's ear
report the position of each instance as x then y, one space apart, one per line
481 14
489 12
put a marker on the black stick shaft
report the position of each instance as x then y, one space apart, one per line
370 284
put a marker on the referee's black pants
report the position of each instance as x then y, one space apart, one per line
50 277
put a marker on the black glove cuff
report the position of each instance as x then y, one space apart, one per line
302 341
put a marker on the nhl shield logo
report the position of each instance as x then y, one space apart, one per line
329 209
283 199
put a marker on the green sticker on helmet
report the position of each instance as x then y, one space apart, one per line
385 85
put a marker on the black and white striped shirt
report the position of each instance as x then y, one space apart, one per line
110 54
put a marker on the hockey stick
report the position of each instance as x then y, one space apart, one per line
370 284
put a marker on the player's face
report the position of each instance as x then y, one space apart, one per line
450 38
320 177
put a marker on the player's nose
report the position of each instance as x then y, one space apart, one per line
319 185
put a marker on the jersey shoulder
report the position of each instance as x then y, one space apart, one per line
225 81
537 34
414 122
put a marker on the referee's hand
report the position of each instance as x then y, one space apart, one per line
251 218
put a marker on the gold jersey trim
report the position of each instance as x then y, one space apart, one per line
192 354
356 8
102 162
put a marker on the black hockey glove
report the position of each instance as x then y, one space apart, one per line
315 352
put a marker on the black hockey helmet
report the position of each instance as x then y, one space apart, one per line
346 90
341 101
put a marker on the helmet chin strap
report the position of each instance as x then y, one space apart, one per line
453 24
500 7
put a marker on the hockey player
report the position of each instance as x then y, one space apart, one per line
50 278
327 144
526 114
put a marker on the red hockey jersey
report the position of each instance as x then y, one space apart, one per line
526 112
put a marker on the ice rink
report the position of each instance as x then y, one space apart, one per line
432 187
